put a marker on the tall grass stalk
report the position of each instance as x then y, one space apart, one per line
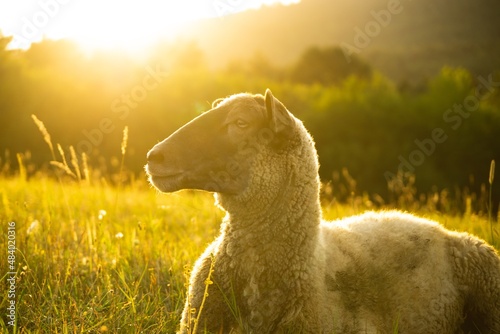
85 166
75 164
208 282
123 149
490 209
63 155
64 165
22 168
45 134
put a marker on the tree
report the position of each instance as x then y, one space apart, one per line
327 66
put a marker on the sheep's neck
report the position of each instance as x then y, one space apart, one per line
293 216
272 253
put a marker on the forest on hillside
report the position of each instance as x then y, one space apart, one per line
373 135
409 44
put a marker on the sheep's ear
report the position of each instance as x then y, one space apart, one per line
280 120
216 102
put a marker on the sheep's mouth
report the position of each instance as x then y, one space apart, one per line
161 173
165 176
166 182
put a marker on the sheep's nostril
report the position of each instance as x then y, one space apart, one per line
155 156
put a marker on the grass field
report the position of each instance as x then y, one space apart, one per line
93 258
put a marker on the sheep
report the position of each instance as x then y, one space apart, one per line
277 267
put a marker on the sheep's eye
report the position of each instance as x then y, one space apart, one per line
241 124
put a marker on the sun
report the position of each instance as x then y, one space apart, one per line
94 24
127 25
130 25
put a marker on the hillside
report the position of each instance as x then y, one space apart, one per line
413 43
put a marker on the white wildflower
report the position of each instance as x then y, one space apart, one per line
102 214
33 228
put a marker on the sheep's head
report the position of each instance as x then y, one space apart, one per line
216 151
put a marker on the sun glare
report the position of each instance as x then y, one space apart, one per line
127 25
112 24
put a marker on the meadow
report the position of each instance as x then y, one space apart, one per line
93 258
96 257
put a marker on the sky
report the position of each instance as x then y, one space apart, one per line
109 24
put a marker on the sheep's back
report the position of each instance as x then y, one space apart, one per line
389 268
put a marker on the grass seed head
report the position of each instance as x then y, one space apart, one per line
85 166
124 140
492 171
75 163
64 168
45 133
